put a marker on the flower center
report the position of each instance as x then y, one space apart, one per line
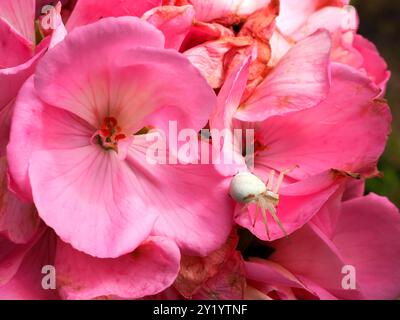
109 134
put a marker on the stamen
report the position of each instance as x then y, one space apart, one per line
110 134
120 136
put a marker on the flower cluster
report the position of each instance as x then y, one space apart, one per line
255 192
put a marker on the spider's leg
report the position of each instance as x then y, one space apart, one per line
250 218
271 180
263 205
281 177
272 210
280 180
256 214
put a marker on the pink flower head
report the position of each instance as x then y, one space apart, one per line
107 132
74 151
309 148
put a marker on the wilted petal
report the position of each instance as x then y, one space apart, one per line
174 22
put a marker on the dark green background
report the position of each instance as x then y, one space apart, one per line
379 22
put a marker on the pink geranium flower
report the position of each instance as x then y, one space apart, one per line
310 143
73 148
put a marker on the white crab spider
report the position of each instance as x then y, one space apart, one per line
246 188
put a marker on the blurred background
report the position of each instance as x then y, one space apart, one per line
380 23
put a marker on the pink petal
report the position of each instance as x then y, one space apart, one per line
89 11
26 284
60 32
21 15
198 227
11 256
148 270
268 277
367 236
327 218
374 64
202 32
14 49
35 126
91 200
333 19
247 7
280 45
196 271
11 79
310 254
18 220
265 271
222 119
354 189
174 22
168 88
208 10
299 81
348 131
229 96
5 125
